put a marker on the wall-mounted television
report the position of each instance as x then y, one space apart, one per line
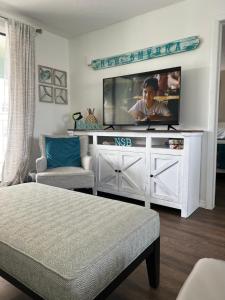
145 98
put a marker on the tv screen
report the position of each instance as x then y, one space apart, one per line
144 98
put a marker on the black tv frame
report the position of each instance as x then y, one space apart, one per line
148 123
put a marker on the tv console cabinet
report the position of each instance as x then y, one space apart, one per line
141 165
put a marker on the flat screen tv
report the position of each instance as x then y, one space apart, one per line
144 98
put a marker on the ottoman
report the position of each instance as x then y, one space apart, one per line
65 245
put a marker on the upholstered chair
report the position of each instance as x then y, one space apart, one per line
68 177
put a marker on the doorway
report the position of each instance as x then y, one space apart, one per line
220 165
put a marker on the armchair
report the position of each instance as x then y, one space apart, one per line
66 177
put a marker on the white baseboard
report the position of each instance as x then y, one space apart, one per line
203 204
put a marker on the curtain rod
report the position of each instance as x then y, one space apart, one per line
38 30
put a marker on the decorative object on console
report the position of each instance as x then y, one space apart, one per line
90 122
60 96
91 117
177 46
60 78
176 144
45 74
84 125
123 141
76 117
45 93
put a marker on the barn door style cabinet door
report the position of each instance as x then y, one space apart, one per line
132 176
108 166
121 172
174 171
165 179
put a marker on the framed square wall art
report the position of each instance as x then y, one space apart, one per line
60 96
45 75
60 78
45 93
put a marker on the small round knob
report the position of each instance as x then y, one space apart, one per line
151 175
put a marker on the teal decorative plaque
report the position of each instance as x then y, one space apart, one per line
83 125
178 46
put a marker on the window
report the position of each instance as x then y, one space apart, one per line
3 101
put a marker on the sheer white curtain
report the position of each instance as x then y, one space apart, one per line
3 94
21 77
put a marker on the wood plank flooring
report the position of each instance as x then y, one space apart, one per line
183 242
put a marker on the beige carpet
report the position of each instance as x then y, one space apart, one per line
9 292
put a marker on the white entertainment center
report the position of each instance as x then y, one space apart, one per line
148 169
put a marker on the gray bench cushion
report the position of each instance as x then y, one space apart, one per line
66 245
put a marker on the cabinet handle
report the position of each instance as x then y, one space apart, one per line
151 175
116 170
119 171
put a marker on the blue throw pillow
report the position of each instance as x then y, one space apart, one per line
62 152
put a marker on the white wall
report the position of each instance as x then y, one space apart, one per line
177 21
223 49
51 118
51 51
221 117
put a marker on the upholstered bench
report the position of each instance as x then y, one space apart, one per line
64 245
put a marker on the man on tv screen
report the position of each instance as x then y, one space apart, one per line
153 106
148 107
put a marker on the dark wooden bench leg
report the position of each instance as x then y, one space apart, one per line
153 265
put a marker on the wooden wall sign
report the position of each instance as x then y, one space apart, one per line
178 46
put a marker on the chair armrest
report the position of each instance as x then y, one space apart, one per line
86 162
41 164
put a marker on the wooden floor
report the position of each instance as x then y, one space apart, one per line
183 242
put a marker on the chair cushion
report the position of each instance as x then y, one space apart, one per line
67 177
62 152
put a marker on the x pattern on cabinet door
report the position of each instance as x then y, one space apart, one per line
165 177
132 179
107 167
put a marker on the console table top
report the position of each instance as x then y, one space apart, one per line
140 131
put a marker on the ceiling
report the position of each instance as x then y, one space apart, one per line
70 18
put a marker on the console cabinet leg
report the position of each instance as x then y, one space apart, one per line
94 191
